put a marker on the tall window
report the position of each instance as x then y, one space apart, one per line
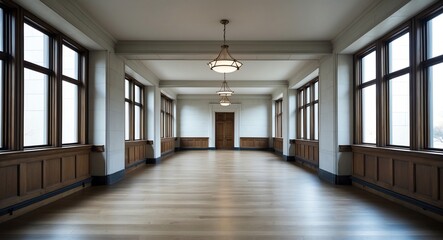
398 88
70 94
43 90
399 79
3 57
434 72
133 109
307 106
368 97
278 118
166 117
36 86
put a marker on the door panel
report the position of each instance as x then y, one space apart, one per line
224 131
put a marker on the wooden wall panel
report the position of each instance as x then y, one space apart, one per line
53 173
82 165
68 168
9 182
307 151
371 167
359 164
28 174
423 175
278 144
167 145
254 142
416 174
385 170
135 151
401 174
194 142
34 176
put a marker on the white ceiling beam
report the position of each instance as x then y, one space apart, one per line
160 50
217 84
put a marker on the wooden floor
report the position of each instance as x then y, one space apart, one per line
222 195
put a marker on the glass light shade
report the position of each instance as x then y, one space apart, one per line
225 63
225 90
224 101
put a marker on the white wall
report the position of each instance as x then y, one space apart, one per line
195 116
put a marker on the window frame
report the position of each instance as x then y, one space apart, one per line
279 118
14 19
302 105
132 105
419 102
166 117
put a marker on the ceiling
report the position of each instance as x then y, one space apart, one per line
193 21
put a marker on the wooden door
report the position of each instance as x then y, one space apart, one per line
224 130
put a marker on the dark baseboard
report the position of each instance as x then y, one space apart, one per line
108 179
334 179
399 196
10 209
305 162
135 164
289 158
257 149
185 149
154 160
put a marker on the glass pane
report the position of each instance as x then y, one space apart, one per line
162 123
70 62
435 36
308 95
1 31
137 94
36 46
316 91
436 106
35 108
399 53
137 122
308 122
399 110
301 99
369 114
368 67
1 102
70 113
127 89
302 126
127 120
316 121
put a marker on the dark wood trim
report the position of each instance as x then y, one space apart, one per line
333 178
254 142
108 179
194 142
98 148
345 148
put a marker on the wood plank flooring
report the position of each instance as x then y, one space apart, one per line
222 195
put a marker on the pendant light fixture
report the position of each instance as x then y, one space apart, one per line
224 62
224 101
224 89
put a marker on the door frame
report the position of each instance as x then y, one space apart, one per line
236 109
224 130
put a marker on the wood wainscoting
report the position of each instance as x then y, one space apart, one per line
306 151
29 174
194 142
254 143
168 145
417 175
278 144
135 152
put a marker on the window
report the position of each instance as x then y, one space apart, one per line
398 82
307 106
42 102
166 117
278 118
36 86
70 95
434 80
133 109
